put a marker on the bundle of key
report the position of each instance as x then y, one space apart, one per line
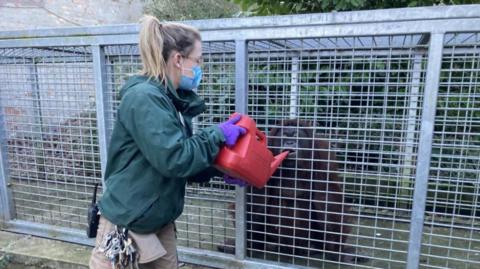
118 248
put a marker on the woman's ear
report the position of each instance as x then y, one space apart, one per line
177 59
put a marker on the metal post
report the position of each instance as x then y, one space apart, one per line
39 128
7 211
100 101
294 89
241 101
435 52
411 125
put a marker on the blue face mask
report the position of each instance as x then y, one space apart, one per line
190 83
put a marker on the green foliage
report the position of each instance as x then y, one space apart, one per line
190 9
4 261
271 7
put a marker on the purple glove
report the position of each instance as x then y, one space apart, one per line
234 181
231 131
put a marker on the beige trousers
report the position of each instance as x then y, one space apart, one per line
166 236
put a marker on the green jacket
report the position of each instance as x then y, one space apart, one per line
152 155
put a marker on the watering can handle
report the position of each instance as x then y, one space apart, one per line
261 135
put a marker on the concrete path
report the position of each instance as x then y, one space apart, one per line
19 251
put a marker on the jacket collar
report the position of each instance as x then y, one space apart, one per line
186 102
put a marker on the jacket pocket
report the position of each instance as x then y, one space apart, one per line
143 211
156 216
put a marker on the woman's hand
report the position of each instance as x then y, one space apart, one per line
234 181
231 131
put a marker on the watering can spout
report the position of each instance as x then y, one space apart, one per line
277 160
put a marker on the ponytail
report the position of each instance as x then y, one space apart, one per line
158 40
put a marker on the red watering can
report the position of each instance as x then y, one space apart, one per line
249 159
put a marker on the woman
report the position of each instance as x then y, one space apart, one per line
153 153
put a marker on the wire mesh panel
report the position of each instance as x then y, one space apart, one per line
452 227
121 62
359 98
48 102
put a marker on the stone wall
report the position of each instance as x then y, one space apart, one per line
34 14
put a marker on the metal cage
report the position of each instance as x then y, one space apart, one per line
392 93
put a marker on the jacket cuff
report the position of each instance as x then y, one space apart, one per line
218 133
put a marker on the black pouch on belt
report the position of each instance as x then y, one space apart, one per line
93 216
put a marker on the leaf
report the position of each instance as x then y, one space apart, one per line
324 4
245 4
412 4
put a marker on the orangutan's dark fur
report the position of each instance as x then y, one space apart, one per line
301 211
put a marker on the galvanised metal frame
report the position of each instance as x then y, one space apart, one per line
101 94
241 101
434 21
425 150
6 204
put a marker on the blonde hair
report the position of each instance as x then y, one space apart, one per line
158 40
